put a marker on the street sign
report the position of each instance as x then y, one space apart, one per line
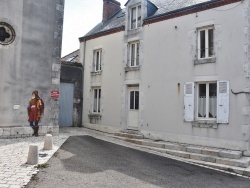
54 94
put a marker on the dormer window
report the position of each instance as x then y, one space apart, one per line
135 17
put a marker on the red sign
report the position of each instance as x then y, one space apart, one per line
54 94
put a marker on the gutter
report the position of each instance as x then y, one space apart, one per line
102 33
188 10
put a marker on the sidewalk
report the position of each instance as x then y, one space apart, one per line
15 173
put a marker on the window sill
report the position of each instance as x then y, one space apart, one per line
204 61
96 73
127 69
205 124
95 116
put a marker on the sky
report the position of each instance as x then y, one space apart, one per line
80 16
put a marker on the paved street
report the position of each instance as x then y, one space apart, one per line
85 161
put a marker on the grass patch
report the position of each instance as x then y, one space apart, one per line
41 166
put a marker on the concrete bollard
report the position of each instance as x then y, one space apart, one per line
33 154
48 142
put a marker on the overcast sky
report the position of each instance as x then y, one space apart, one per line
80 16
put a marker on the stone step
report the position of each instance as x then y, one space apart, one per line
243 162
216 152
130 131
129 135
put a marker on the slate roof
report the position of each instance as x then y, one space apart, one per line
164 7
73 57
116 21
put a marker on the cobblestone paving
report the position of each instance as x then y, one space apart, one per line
14 172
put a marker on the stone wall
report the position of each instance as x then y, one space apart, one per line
31 62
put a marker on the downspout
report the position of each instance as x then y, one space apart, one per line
84 51
83 67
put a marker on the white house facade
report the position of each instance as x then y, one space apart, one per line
173 70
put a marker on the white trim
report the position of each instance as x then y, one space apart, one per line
189 102
206 78
97 47
204 24
133 39
207 100
135 43
206 29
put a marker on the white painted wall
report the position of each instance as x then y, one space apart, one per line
171 62
168 60
110 80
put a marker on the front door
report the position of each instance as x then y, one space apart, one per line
66 104
133 108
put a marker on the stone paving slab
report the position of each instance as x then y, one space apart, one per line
14 172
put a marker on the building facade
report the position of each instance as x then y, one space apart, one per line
173 70
30 50
71 91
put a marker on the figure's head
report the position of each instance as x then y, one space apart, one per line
35 94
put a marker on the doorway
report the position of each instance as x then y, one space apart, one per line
66 104
133 108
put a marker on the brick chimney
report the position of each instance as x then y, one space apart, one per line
109 8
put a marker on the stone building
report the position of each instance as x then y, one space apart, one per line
30 50
172 70
71 90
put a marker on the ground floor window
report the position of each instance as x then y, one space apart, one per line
207 100
96 100
134 100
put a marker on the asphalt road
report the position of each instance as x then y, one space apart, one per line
84 161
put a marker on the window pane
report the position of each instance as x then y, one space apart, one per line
202 100
212 100
97 61
202 44
132 98
137 55
100 58
136 100
99 100
211 42
95 101
132 55
133 18
139 17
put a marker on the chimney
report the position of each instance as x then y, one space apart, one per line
109 8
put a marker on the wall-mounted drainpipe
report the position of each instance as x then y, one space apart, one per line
83 65
84 51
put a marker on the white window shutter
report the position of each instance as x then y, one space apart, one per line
189 101
222 101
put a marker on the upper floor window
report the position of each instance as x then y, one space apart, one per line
97 60
134 54
135 17
205 42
